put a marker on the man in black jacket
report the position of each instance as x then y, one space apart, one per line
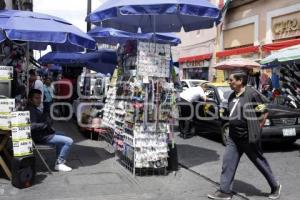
247 117
43 133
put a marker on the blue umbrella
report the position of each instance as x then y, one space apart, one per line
104 61
156 15
2 37
55 68
40 30
60 58
113 36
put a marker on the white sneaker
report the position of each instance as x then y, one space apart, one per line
62 168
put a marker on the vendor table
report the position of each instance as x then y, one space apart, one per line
4 139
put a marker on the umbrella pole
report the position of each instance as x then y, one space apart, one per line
27 68
157 83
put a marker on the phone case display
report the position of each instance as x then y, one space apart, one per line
154 59
142 106
109 108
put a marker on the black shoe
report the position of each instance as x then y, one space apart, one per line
276 193
218 195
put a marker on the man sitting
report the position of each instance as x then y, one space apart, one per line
43 133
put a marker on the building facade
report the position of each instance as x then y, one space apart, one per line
254 28
251 29
195 52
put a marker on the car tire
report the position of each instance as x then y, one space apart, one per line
225 133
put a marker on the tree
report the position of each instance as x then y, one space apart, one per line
2 4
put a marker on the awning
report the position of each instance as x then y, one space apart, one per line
195 58
280 45
237 51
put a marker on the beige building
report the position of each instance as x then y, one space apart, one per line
254 28
196 50
251 29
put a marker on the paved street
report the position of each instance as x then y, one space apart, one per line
97 175
203 155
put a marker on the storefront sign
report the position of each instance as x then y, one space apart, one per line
196 64
286 26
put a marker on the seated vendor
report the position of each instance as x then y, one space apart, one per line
43 133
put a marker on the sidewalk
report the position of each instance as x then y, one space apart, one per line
204 156
97 175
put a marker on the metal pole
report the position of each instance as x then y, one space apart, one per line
27 67
89 10
87 80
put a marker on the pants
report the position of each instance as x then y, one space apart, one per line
233 152
63 145
185 111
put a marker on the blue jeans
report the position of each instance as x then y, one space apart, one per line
63 145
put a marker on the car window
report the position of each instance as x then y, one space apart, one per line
210 93
224 93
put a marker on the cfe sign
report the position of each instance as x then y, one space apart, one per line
286 27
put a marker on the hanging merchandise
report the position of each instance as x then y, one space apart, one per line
139 106
290 82
154 59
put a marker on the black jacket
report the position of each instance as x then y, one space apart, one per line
253 115
41 129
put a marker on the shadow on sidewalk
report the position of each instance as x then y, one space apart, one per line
80 156
192 156
247 189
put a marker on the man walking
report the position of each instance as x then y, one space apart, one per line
245 104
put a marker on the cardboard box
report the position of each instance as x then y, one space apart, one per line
20 119
7 106
6 72
20 133
22 148
5 122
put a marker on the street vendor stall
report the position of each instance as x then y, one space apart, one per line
140 104
285 65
